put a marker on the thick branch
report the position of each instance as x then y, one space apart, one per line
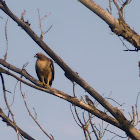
103 14
119 27
59 61
10 123
57 93
60 94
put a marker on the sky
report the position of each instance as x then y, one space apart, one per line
87 45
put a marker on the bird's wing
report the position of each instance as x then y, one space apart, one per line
52 72
52 69
38 72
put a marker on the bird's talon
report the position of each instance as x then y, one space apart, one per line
47 85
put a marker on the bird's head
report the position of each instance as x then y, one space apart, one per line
40 56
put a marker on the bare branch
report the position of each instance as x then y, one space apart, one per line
110 7
136 106
115 134
22 15
116 102
118 8
40 23
119 27
60 62
45 16
14 93
42 33
92 126
50 137
124 4
74 117
22 18
125 45
10 123
104 130
86 126
5 98
120 30
48 29
89 135
86 137
35 113
139 67
133 113
77 115
13 124
61 94
5 56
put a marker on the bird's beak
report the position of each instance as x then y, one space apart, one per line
35 56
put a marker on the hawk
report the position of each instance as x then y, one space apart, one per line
44 69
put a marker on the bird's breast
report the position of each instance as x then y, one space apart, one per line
41 65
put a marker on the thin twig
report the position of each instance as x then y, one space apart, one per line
42 33
130 116
10 123
99 131
22 18
14 94
104 130
94 131
74 89
40 23
74 117
78 117
136 105
89 135
110 7
116 102
6 36
118 8
50 137
45 16
124 44
48 30
124 4
35 113
85 134
87 123
5 98
22 15
133 113
139 67
75 109
116 134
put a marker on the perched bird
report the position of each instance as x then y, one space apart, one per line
89 101
44 69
